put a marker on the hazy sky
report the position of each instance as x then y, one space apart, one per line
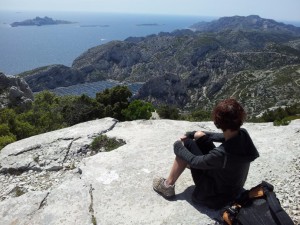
273 9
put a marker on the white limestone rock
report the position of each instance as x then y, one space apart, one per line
14 92
51 151
21 209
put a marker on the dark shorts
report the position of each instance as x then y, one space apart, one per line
199 147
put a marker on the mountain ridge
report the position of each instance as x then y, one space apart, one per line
251 22
201 62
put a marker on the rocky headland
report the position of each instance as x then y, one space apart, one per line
53 178
51 77
39 21
253 59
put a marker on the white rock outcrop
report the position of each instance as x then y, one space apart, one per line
14 91
116 187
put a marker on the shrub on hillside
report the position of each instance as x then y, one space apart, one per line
45 114
81 109
138 109
4 129
280 116
5 140
199 115
168 112
104 143
114 95
114 101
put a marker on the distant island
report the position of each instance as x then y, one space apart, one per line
38 21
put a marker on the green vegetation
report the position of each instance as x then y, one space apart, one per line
39 69
6 137
173 113
80 109
285 76
5 140
50 112
168 112
36 159
280 116
205 39
138 109
18 191
198 115
114 100
96 76
94 221
104 143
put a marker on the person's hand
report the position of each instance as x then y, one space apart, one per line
198 135
183 138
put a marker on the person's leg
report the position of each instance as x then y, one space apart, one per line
179 164
178 167
166 187
205 146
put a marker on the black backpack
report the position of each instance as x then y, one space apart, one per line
257 206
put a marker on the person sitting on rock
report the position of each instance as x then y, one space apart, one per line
219 173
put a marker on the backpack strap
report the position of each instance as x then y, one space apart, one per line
226 216
229 213
275 207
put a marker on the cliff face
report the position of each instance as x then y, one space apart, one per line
14 92
61 183
205 64
50 77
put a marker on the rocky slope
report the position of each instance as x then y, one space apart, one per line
50 77
14 92
202 64
61 183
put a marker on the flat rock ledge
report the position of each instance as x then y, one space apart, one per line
54 179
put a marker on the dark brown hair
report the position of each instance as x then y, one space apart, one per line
228 114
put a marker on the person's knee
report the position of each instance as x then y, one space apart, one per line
205 144
198 134
189 143
191 146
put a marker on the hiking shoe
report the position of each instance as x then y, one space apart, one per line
159 187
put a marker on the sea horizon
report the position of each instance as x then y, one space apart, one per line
25 48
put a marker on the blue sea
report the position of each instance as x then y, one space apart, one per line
24 48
